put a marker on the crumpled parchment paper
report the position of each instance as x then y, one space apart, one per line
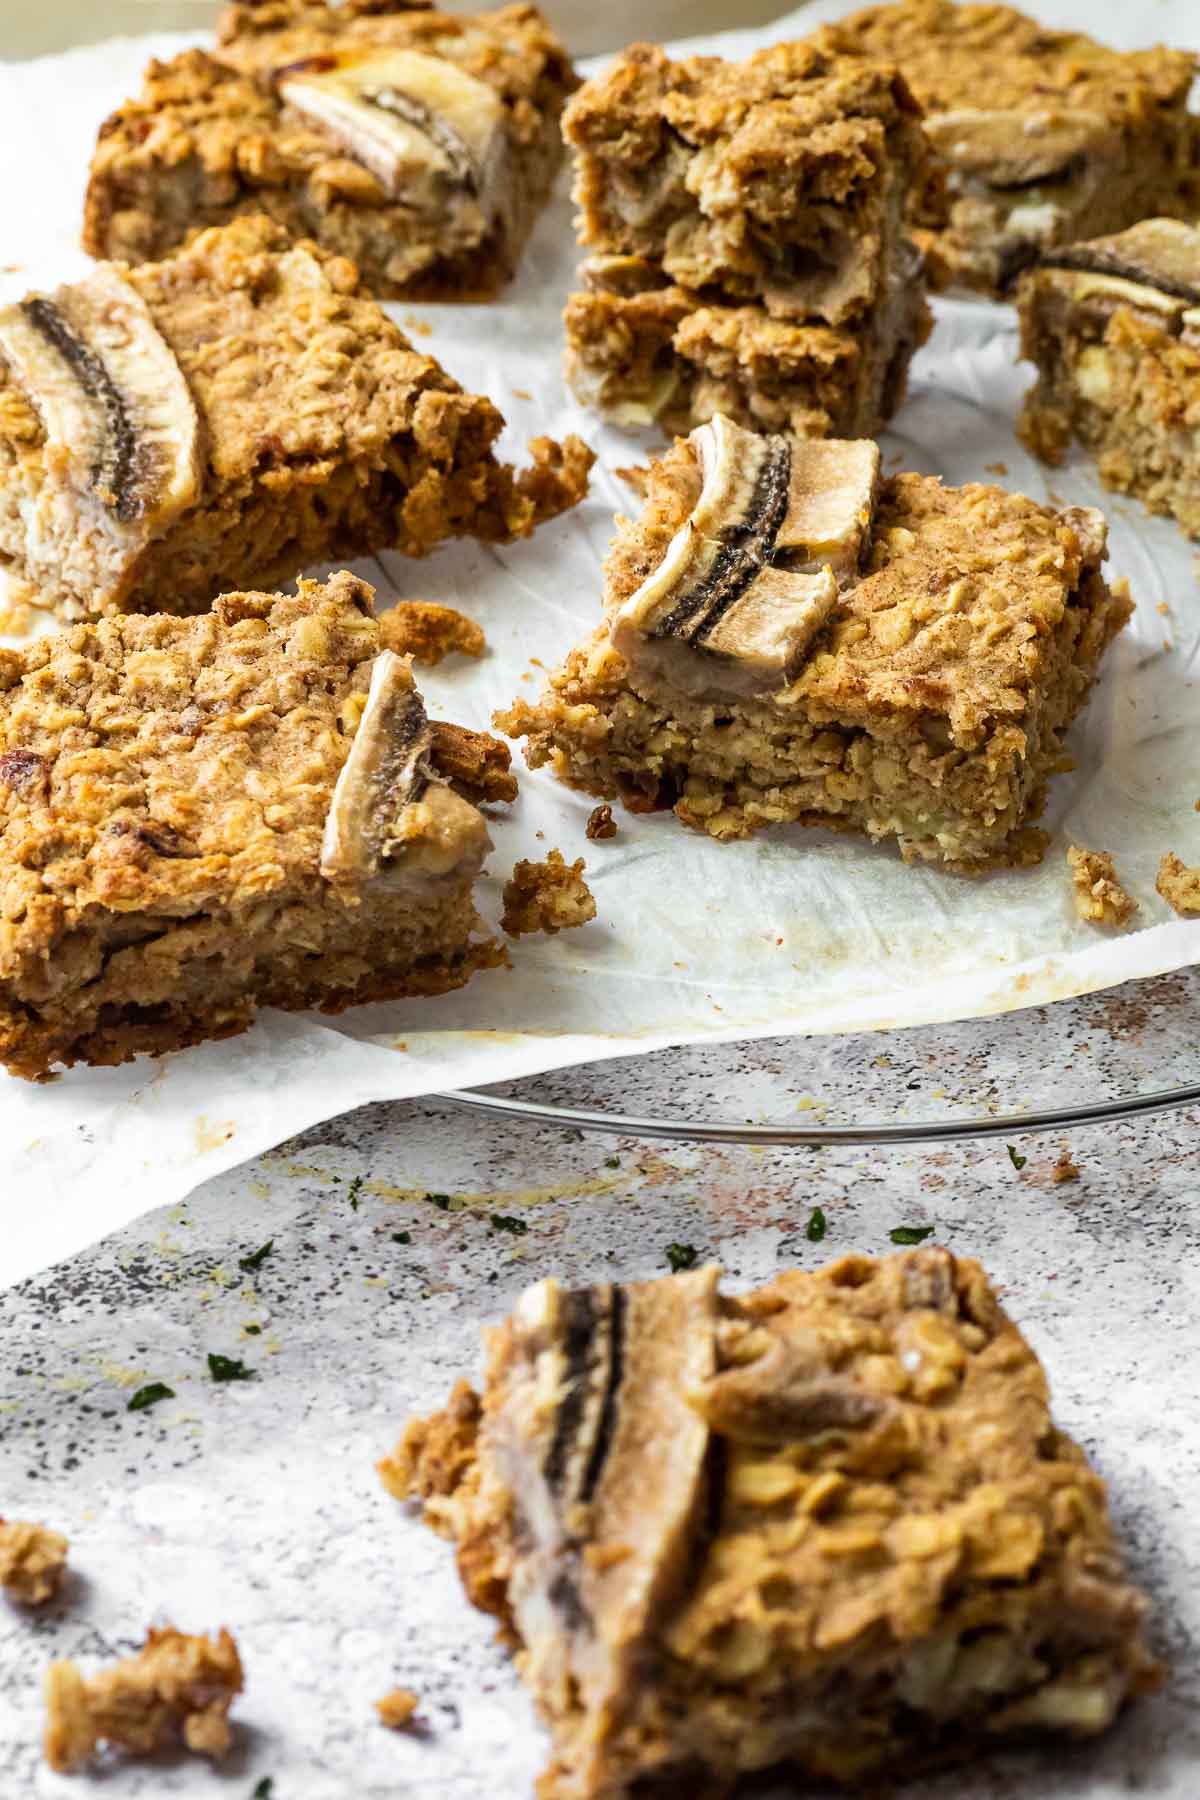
792 934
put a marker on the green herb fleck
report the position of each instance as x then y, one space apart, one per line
505 1222
228 1368
253 1330
911 1234
356 1187
264 1789
441 1201
402 1237
612 1162
257 1258
681 1256
1017 1161
150 1395
817 1226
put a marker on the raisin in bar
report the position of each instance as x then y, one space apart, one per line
230 415
1113 327
1039 137
200 817
782 179
786 637
829 1524
421 144
642 350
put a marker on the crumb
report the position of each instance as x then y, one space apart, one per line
428 632
177 1686
1164 609
417 327
601 823
1065 1169
1179 885
397 1708
522 394
547 896
476 764
33 1561
996 468
637 477
11 268
1099 897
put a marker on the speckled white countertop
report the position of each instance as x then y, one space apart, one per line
256 1504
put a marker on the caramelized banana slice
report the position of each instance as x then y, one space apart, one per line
752 575
392 821
121 427
400 113
1051 148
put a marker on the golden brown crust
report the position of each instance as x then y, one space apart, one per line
1099 897
178 1688
429 633
208 139
1179 886
33 1561
548 896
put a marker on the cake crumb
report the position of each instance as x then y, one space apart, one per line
428 632
1065 1169
176 1687
397 1708
601 823
476 764
33 1560
1179 885
548 896
996 468
1099 897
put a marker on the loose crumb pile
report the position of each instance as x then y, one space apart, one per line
428 632
1179 885
33 1561
397 1708
547 896
176 1687
1099 897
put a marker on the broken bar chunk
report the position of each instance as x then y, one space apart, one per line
420 143
200 817
177 1688
1039 137
828 1526
230 415
921 694
1113 327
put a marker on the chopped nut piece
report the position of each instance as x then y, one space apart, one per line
176 1687
33 1561
1179 886
475 764
1099 896
428 632
601 823
397 1708
547 896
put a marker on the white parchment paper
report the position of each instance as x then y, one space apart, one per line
795 933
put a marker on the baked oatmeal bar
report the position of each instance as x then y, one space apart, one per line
229 416
642 350
200 817
1113 327
1039 137
421 144
782 179
829 1524
787 637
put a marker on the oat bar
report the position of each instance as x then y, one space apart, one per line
829 1524
788 637
1039 137
201 817
420 143
1113 328
225 418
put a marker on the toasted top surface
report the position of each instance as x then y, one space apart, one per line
1162 253
512 48
252 315
627 110
953 616
943 50
154 762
